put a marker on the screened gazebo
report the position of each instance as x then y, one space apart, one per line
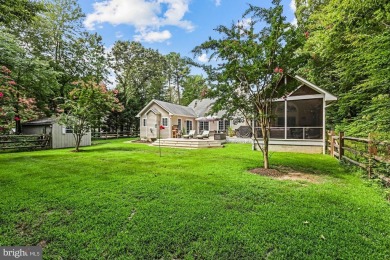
299 118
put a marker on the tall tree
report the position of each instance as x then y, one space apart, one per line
90 58
349 45
138 70
58 36
15 105
12 11
245 78
140 75
177 71
55 36
34 76
194 87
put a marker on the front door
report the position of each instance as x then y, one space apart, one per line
151 125
188 125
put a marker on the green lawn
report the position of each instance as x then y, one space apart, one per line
120 201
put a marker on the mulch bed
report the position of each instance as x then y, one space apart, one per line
267 172
283 173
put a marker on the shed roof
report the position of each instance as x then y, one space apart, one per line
41 121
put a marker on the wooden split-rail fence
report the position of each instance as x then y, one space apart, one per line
24 142
107 135
367 153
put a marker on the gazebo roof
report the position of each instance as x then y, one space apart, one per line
328 96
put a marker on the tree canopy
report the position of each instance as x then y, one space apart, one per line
347 46
252 60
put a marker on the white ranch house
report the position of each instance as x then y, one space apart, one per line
298 123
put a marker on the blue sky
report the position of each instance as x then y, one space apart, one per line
166 25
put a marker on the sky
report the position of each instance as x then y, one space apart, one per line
167 25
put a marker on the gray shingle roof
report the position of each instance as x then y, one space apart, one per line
201 107
176 109
197 108
42 121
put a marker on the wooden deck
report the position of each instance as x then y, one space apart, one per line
189 143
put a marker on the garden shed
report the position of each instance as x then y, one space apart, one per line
61 136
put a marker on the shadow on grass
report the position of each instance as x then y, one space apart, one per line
108 149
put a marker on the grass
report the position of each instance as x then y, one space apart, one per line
118 200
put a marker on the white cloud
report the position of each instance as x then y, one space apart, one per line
245 23
217 2
153 36
118 35
294 21
293 5
175 12
203 58
145 15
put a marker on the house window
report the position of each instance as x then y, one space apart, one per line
188 125
223 125
203 126
165 121
179 123
144 122
67 130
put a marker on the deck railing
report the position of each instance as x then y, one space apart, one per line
300 133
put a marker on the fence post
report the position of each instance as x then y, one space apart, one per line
332 143
370 152
341 145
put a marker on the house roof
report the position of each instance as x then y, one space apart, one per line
172 109
201 106
175 109
41 121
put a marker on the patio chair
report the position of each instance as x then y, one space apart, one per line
190 134
205 134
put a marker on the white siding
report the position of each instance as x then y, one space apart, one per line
60 140
153 122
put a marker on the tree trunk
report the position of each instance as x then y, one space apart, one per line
78 141
265 144
178 94
178 91
265 154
